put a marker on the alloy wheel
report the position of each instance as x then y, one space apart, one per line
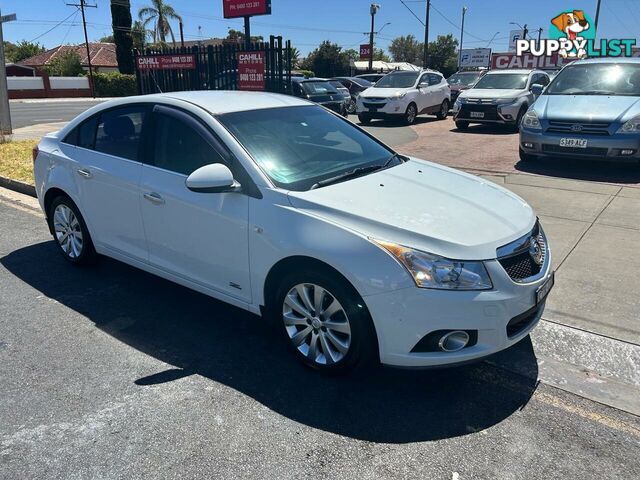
411 114
316 323
67 230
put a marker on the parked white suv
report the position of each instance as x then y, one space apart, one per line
499 97
285 209
405 95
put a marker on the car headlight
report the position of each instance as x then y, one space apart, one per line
397 96
432 271
457 105
506 101
530 120
632 126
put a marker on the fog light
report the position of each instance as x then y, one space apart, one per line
627 152
527 145
453 341
507 116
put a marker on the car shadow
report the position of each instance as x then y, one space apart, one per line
198 335
394 123
485 129
583 169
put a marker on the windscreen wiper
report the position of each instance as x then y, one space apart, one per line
356 172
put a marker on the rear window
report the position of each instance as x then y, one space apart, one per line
83 135
119 132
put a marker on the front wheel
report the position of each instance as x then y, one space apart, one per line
70 231
411 114
364 119
444 110
516 126
325 322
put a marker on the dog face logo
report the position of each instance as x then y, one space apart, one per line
572 25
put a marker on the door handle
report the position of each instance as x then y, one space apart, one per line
84 173
153 197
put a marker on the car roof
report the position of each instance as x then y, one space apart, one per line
308 79
607 60
227 101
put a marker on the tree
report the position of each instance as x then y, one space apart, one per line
159 14
121 22
328 60
379 54
139 35
67 64
22 50
443 54
237 36
407 49
294 54
107 39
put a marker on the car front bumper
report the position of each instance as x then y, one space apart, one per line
502 114
380 108
601 147
404 317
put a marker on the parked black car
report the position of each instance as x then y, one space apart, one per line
319 91
355 86
371 77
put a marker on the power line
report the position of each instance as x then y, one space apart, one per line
53 28
456 25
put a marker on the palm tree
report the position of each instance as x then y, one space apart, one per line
159 13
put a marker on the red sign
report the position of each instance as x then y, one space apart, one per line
365 51
245 8
251 71
166 62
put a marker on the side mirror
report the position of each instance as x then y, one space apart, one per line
423 85
537 89
214 178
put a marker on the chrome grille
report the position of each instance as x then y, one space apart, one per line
578 128
517 260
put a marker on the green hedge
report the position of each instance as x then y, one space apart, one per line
114 84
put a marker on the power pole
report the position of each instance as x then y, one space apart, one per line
539 34
5 114
464 12
525 30
597 15
373 10
426 35
247 32
82 6
181 35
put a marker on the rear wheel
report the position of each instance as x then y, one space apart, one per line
460 125
411 114
516 126
70 231
364 119
444 110
324 322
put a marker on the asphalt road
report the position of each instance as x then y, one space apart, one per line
24 114
108 372
28 114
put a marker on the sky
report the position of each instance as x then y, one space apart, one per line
308 22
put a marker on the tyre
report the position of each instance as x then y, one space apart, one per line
411 114
516 126
70 231
351 106
444 110
527 157
364 119
324 322
460 125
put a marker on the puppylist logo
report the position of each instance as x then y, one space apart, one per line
572 35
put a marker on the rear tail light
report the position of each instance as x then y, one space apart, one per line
34 153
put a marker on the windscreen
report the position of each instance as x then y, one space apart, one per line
510 81
597 79
398 80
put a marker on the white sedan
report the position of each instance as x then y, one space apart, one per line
355 254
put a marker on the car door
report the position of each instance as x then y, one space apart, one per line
439 89
424 93
108 151
201 237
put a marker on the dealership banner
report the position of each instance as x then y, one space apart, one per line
166 62
251 69
475 57
365 52
511 60
245 8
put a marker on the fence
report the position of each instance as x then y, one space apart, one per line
216 68
44 86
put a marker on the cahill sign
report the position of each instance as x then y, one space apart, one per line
573 35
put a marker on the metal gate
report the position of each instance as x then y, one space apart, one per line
211 68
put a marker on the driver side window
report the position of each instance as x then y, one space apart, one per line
179 148
424 79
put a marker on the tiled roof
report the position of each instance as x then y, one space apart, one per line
102 55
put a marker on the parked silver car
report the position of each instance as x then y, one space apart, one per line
499 97
590 110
